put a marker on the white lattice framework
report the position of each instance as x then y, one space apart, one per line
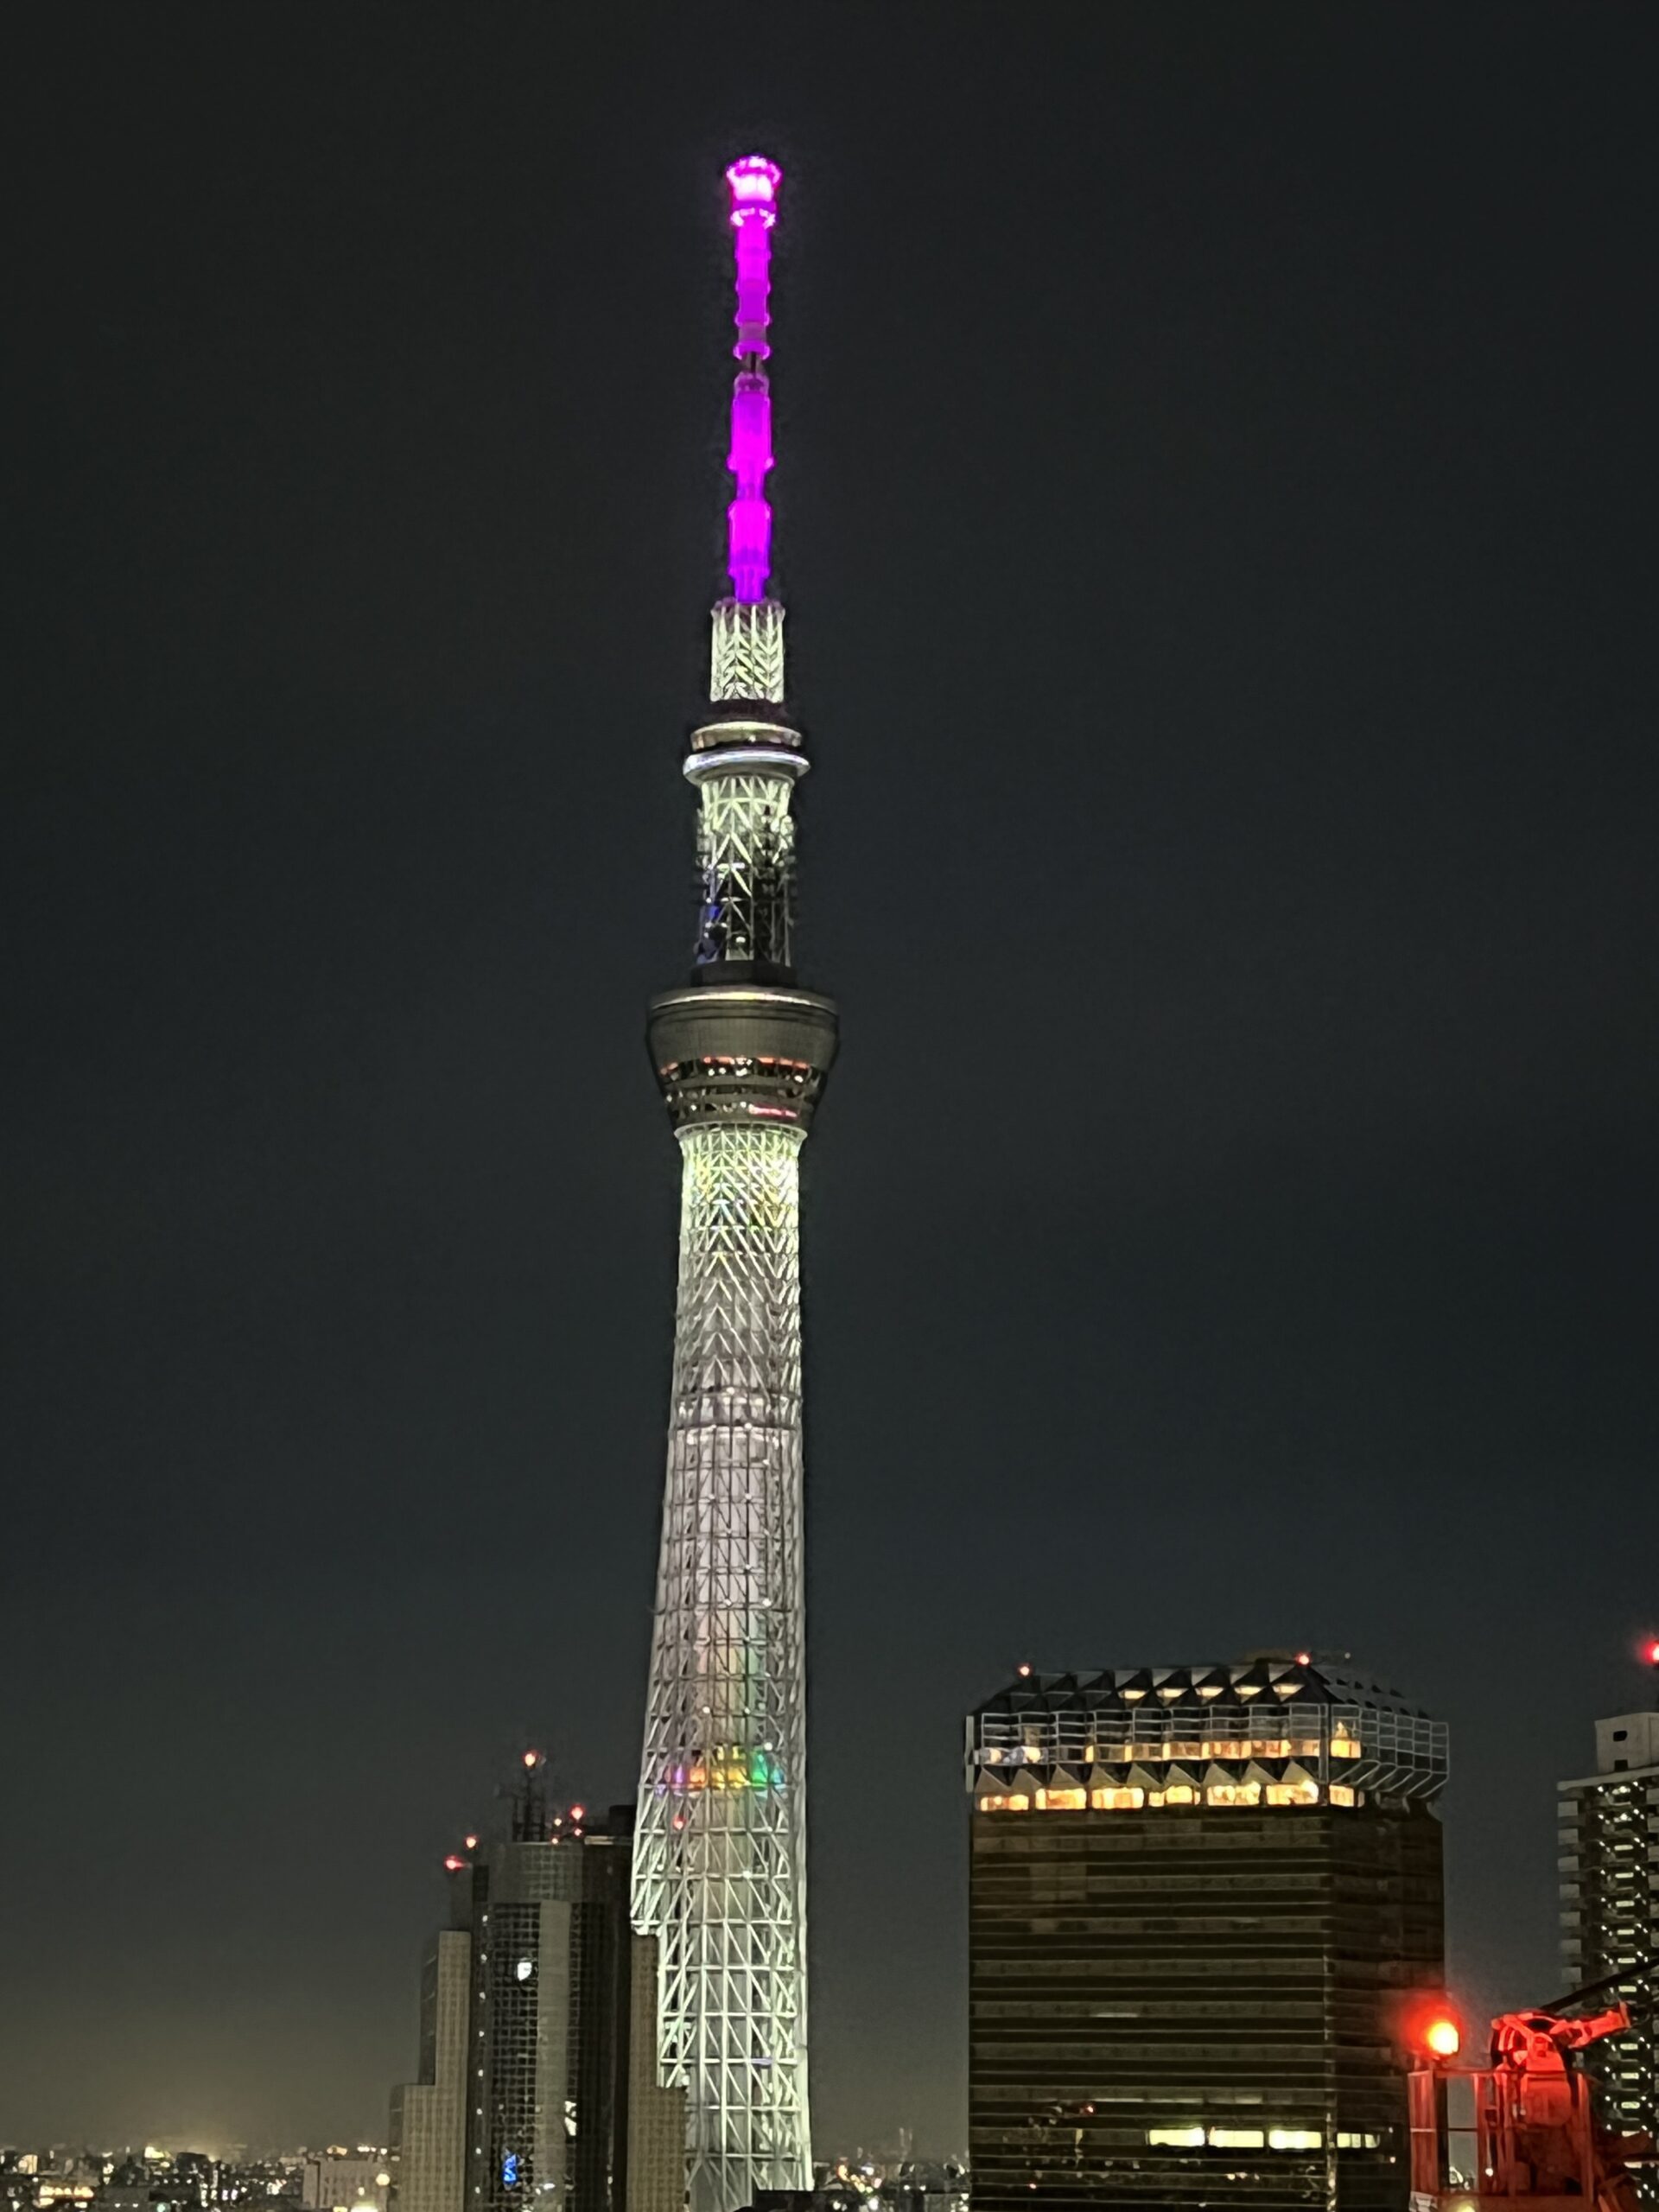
746 858
720 1852
745 658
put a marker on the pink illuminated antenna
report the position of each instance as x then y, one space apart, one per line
753 183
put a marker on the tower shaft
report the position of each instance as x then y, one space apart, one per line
741 1054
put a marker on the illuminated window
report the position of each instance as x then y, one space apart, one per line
1350 2139
1293 1793
1061 1801
1269 1747
1020 1804
1233 1793
1236 2139
1341 1794
1176 2139
1345 1746
1294 2138
1117 1801
1181 1793
1226 1747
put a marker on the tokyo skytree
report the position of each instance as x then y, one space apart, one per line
741 1054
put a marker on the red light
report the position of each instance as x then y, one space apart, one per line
1430 2026
1304 1658
578 1812
530 1758
1025 1670
1653 1651
471 1842
452 1864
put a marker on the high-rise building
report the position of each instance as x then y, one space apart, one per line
539 2030
1199 1899
344 2181
1610 1910
428 2129
741 1053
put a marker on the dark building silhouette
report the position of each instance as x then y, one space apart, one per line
538 2079
1199 1897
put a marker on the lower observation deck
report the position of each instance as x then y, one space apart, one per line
746 1052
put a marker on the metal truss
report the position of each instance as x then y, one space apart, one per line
720 1851
746 661
746 858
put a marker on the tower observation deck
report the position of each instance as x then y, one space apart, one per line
741 1053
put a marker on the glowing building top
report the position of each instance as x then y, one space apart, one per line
1269 1730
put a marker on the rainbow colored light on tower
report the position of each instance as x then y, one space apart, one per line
753 184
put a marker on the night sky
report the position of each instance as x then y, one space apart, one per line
1215 502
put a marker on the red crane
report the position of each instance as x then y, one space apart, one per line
1538 2137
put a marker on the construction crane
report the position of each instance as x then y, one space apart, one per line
1538 2138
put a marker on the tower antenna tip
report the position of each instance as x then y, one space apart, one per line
753 183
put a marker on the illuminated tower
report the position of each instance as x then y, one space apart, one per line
741 1054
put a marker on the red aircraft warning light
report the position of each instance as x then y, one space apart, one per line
453 1864
1432 2029
1650 1651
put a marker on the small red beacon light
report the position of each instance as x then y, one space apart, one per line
1443 2037
578 1812
1650 1651
452 1864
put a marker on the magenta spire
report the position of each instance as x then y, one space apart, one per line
753 183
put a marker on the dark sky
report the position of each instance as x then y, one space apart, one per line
1216 506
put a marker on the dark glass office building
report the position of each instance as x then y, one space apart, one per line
1201 1898
538 2046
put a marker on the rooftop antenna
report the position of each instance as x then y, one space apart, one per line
527 1796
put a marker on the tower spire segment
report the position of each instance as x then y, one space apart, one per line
741 1052
753 184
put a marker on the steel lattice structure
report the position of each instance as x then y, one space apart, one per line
741 1054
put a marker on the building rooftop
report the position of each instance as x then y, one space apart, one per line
1269 1676
1271 1729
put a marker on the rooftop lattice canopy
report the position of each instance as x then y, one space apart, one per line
1264 1730
1241 1682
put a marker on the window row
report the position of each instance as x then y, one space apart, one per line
1134 1800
